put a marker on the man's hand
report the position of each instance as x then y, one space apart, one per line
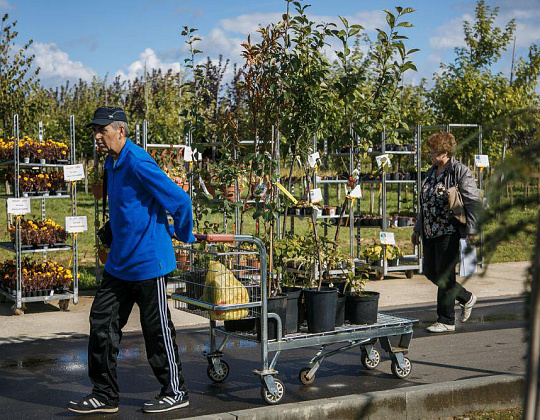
415 239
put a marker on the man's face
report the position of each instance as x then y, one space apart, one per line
106 138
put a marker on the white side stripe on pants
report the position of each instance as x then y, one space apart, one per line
167 336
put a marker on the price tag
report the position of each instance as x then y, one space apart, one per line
315 195
73 172
312 159
18 206
481 161
76 224
387 238
188 154
383 161
356 192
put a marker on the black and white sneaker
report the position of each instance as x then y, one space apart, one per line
91 404
166 403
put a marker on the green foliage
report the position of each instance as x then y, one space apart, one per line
467 91
17 81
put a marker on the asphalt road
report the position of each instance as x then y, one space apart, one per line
38 378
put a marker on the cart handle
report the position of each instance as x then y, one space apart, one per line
214 237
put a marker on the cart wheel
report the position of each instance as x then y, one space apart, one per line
63 305
215 376
303 376
401 373
379 275
409 274
272 399
17 311
367 362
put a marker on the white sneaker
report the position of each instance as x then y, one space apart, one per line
467 308
439 327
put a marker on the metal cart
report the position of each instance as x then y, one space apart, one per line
243 298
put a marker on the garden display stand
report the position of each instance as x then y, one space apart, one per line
17 164
409 263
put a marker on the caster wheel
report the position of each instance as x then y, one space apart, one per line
215 376
63 305
273 399
409 274
367 362
17 311
401 373
379 275
303 376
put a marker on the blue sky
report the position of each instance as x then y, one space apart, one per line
79 39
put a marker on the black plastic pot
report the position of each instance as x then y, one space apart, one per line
361 310
240 325
393 263
321 309
402 221
277 305
340 310
294 295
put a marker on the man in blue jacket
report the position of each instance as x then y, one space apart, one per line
140 258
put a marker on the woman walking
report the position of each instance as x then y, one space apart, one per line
441 232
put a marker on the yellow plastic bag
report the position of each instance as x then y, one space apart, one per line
222 288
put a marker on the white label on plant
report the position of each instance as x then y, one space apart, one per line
199 156
188 154
18 206
76 224
387 238
356 192
383 160
481 161
73 172
312 159
315 195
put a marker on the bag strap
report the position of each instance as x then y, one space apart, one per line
104 193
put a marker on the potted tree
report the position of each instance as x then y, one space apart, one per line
95 177
361 306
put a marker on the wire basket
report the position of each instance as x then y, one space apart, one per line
221 282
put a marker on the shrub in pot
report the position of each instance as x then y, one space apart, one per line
361 306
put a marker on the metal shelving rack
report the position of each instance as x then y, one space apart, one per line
63 298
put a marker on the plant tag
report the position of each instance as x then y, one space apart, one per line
315 195
383 161
481 161
18 206
188 154
199 156
387 238
312 159
76 224
356 192
73 172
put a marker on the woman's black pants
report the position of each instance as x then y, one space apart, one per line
441 255
109 314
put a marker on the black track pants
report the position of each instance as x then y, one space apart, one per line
441 255
110 312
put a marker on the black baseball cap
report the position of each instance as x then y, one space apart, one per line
105 115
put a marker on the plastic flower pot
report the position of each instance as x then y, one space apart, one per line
278 305
362 310
340 310
97 190
294 296
321 309
103 255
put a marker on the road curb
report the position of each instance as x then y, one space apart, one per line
442 400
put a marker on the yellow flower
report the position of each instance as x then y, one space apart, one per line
63 152
39 151
41 176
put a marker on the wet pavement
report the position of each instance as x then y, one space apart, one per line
38 378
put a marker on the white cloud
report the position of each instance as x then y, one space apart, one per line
56 66
149 59
248 24
4 5
450 35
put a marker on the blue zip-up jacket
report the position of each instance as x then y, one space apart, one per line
140 194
